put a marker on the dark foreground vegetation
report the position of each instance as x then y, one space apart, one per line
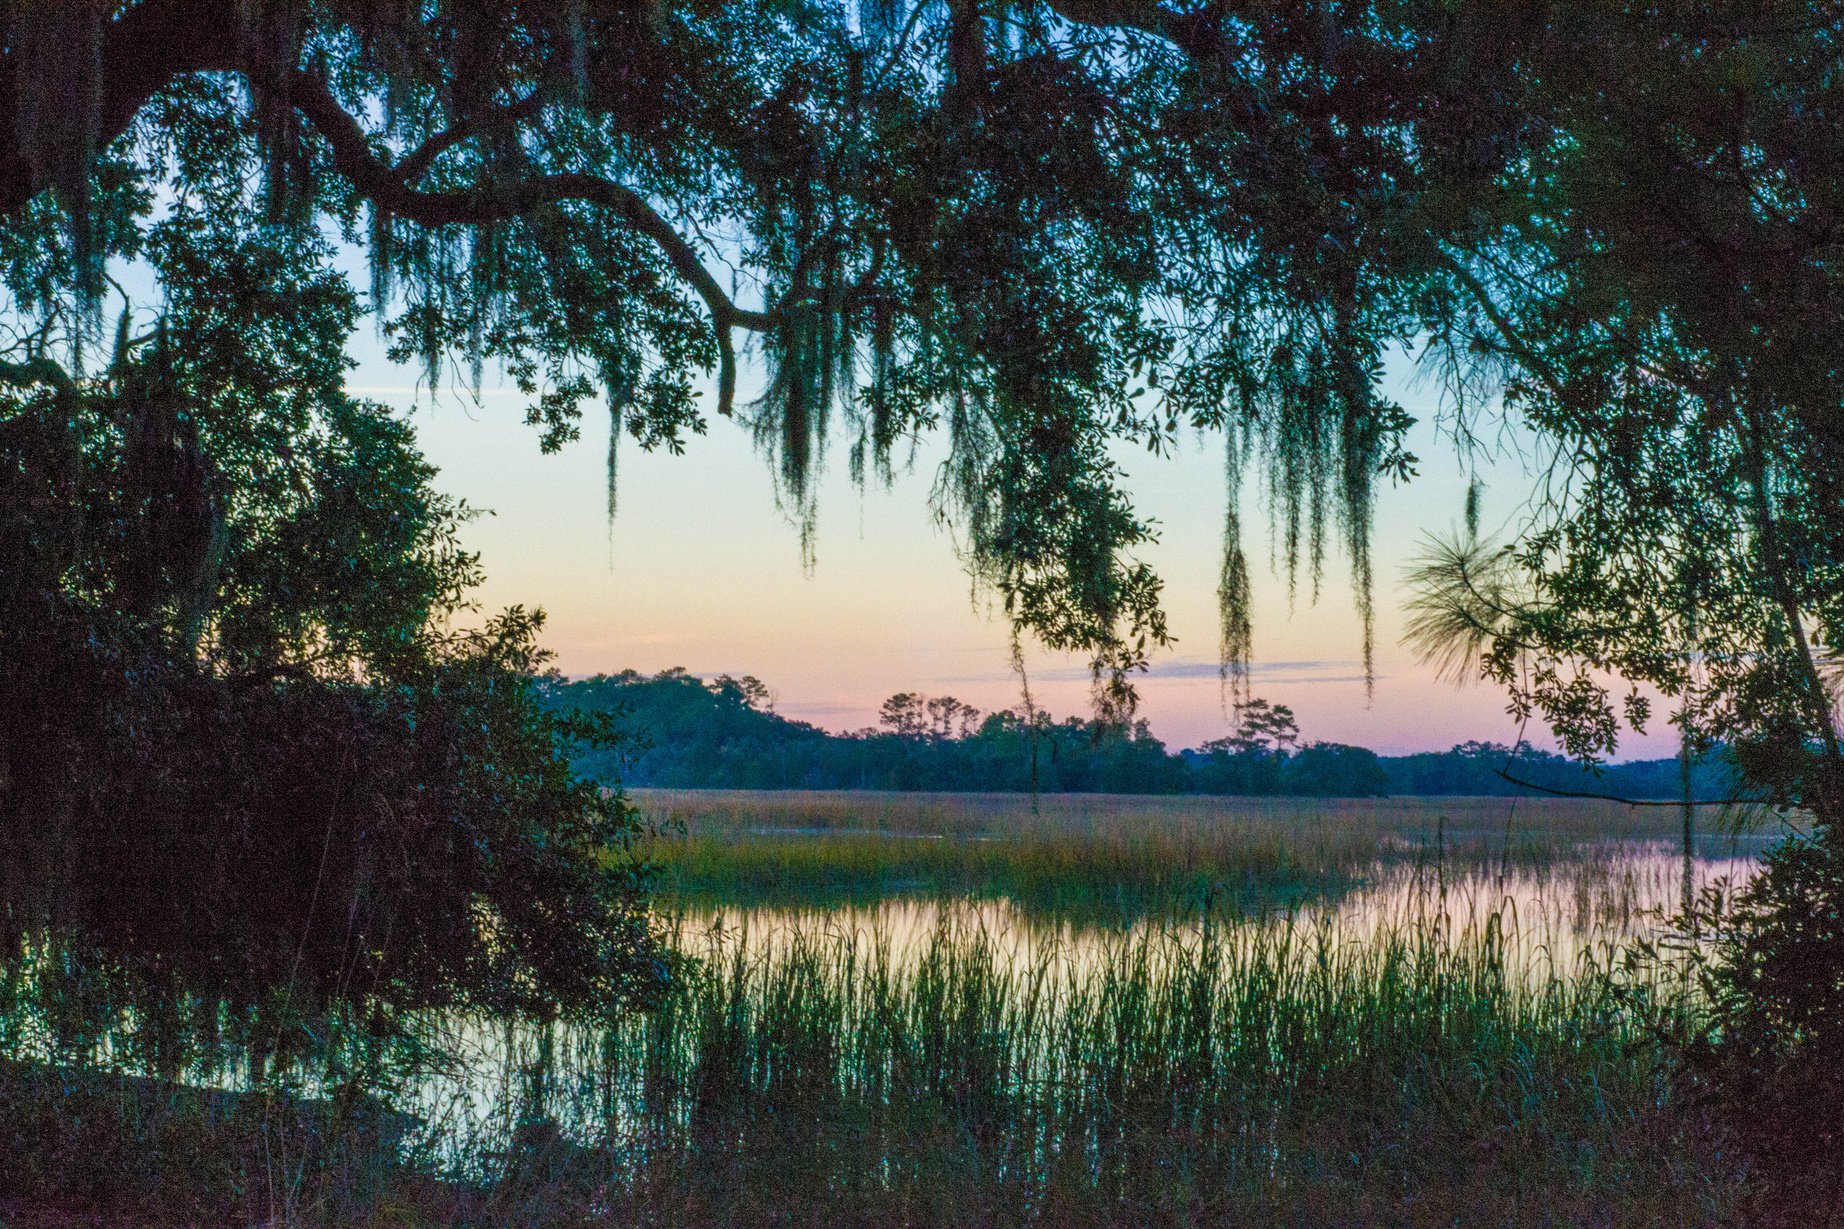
1251 1076
683 732
281 811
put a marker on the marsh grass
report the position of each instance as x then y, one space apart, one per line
1458 1041
1247 1074
976 814
1247 1071
1108 857
1469 823
1103 880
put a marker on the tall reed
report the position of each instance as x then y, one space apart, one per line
1451 1058
1281 1073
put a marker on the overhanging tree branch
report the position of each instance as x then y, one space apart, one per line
387 189
1514 342
1631 802
143 49
153 42
415 164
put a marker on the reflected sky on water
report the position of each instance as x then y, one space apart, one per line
1549 917
1550 925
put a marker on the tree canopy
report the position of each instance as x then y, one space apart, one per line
254 774
1046 230
1042 230
1667 316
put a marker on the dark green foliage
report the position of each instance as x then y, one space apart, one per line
1253 760
1688 532
1772 1058
681 732
1324 769
677 729
1485 768
1047 230
253 770
1664 306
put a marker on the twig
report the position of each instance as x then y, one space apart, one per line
1631 802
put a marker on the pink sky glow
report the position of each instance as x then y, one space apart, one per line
701 570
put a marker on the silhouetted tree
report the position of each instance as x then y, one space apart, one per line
902 715
1045 228
1663 309
253 775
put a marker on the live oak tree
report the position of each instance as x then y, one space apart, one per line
256 780
1046 230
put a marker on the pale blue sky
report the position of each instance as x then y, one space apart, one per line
700 570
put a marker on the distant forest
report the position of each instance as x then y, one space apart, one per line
677 730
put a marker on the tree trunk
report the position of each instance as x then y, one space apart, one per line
1826 797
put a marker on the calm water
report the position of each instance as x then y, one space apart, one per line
1549 919
1556 924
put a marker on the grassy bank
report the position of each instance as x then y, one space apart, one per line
1107 856
1252 1075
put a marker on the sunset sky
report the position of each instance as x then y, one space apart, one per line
701 570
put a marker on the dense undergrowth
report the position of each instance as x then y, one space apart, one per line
1247 1074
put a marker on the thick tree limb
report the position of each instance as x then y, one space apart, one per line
143 49
155 41
383 184
415 164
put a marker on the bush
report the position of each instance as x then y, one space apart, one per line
1772 1059
252 772
1327 770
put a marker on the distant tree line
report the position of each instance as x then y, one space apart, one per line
689 733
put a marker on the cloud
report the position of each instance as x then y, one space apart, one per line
1293 680
821 710
1330 670
1267 671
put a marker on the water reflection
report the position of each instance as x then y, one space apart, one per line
1549 917
1545 930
